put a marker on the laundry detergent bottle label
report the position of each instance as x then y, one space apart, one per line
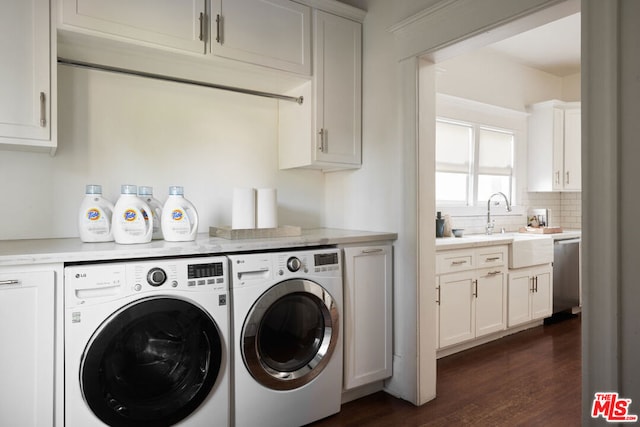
94 220
132 219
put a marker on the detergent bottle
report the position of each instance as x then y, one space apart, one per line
132 219
94 219
179 217
146 194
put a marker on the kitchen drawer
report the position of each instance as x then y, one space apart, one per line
491 256
452 261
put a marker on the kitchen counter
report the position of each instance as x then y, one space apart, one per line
480 240
43 251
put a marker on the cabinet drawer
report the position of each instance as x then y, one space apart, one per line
448 262
493 256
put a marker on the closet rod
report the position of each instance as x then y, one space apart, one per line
79 64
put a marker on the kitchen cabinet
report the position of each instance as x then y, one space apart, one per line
162 23
273 33
471 301
28 76
367 314
530 294
325 131
27 322
554 146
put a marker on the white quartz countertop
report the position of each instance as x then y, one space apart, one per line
479 240
44 251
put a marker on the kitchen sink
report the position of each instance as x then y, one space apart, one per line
527 250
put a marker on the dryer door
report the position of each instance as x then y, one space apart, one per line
290 334
151 363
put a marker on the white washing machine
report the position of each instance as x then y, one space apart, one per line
147 343
287 337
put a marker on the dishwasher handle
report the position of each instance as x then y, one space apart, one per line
567 241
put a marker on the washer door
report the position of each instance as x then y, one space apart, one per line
151 363
290 334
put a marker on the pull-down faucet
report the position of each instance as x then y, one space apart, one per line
490 224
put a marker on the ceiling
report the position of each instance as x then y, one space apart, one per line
553 47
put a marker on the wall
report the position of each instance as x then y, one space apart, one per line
116 129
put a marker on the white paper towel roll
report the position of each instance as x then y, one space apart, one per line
243 214
267 208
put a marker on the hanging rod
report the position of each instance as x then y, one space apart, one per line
86 65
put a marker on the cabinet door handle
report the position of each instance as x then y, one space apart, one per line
493 273
372 251
203 27
532 285
438 297
9 282
493 258
558 177
567 177
464 261
218 19
475 287
43 109
536 277
322 146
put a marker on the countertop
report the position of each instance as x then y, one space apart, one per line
480 240
44 251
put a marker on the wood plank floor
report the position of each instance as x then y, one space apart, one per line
531 378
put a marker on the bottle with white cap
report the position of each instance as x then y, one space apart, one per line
146 194
94 220
132 219
179 217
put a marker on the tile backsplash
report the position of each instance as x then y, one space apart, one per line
564 210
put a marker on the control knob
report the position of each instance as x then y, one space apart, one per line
156 276
294 264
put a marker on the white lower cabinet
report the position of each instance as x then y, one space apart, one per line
471 303
27 331
367 315
530 294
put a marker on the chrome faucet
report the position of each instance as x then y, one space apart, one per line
490 224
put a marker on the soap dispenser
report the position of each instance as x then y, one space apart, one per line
439 225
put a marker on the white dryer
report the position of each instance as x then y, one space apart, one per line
147 343
287 337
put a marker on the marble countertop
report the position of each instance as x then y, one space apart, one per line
45 251
480 240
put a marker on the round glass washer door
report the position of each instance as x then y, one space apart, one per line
152 363
290 334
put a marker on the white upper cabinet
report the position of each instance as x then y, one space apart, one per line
273 33
554 147
27 76
325 131
168 23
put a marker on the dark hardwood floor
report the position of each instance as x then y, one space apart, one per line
531 378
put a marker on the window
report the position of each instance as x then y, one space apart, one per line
472 162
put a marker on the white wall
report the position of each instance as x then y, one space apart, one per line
116 129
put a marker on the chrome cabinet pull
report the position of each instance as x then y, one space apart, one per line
567 177
536 284
438 298
558 177
493 258
464 261
372 251
532 285
493 273
475 286
43 109
9 282
218 19
322 146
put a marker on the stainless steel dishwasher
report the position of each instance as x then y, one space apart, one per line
566 274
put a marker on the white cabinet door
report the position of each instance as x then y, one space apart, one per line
367 315
273 33
27 322
490 301
167 23
338 89
457 309
519 291
572 149
542 294
26 95
554 147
